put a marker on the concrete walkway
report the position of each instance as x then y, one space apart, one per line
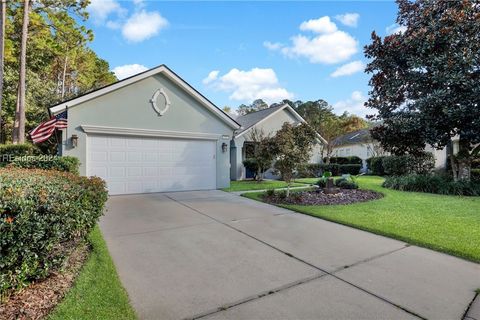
214 255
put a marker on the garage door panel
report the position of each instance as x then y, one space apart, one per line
139 165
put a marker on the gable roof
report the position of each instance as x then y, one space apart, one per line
249 120
355 137
163 69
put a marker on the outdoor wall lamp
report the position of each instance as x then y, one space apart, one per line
74 139
224 147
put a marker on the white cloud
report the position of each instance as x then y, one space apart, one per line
212 76
349 69
348 19
329 46
101 9
326 48
143 25
353 105
247 86
320 25
272 45
128 70
395 28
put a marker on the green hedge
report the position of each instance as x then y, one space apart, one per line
375 166
317 169
408 164
433 184
345 160
43 213
67 163
8 152
401 165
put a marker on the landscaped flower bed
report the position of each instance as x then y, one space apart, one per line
318 197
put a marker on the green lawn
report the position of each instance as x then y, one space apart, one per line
245 185
449 224
97 293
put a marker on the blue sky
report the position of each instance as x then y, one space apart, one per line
234 52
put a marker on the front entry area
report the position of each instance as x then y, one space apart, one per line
131 164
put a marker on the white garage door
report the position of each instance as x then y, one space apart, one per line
144 164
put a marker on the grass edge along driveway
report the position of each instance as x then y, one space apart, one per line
449 224
97 292
247 185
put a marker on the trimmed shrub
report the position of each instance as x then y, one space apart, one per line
408 164
345 183
8 152
476 174
350 168
345 160
43 215
375 165
433 184
67 163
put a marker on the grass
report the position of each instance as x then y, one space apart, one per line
97 292
449 224
246 185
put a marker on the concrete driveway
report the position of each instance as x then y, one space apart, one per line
214 255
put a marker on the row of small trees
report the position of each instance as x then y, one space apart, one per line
288 149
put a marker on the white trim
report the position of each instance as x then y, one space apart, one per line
292 111
149 133
161 69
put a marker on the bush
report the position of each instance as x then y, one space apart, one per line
42 215
345 183
476 174
67 163
408 164
350 169
8 152
375 166
270 192
345 160
439 184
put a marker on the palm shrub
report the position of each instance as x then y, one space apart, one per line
43 214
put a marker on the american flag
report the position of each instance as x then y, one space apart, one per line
47 128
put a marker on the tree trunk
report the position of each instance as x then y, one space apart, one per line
3 17
462 161
64 76
19 127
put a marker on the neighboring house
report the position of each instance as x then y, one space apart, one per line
151 132
269 121
357 143
360 143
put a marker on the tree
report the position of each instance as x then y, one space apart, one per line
292 147
255 106
425 80
19 125
319 114
263 151
59 61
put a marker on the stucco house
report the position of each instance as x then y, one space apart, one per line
152 132
360 143
269 121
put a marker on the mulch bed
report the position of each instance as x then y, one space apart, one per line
344 196
38 299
